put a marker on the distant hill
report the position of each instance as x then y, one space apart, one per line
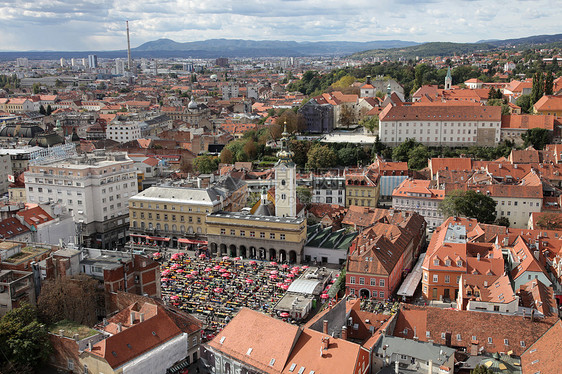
264 48
449 49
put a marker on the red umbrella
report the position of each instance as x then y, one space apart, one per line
225 275
285 287
181 254
285 266
284 314
237 259
273 263
225 258
288 280
216 267
291 275
180 271
249 281
218 290
194 272
164 279
324 296
305 267
252 262
222 270
279 284
274 272
273 276
202 255
174 297
208 270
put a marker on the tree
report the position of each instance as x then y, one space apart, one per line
36 88
549 84
42 110
206 164
24 340
499 102
49 110
250 149
300 150
295 122
524 101
401 152
550 221
536 137
371 123
537 90
469 204
347 116
226 156
304 194
343 83
481 369
417 157
348 156
502 221
71 298
321 157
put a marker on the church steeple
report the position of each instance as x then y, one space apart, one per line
285 180
448 79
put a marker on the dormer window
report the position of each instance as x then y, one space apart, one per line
459 262
448 262
436 262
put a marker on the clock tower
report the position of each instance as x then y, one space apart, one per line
285 180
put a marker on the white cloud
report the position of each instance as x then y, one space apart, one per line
100 24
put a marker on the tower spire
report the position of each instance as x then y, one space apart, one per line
128 48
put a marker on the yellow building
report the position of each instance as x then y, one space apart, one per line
549 105
166 214
362 188
252 236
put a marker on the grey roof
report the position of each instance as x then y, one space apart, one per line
182 195
265 210
422 351
306 286
249 217
455 234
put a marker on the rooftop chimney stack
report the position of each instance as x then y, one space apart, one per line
396 367
344 333
132 317
430 367
325 326
119 327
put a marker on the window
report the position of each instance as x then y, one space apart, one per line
436 262
489 340
282 236
252 234
361 280
459 337
262 235
271 236
522 342
506 342
351 280
373 282
447 279
223 231
428 334
232 232
381 282
435 278
381 295
242 233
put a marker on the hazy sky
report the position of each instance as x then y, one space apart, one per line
100 24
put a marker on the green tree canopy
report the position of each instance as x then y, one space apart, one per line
206 164
536 137
321 157
469 204
304 194
524 101
23 339
417 157
226 156
300 150
481 369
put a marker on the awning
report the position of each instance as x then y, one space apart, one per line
191 241
158 238
176 368
408 287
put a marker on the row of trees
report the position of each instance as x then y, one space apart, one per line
542 85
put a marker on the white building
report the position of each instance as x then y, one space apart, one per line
5 171
93 188
422 197
123 132
446 125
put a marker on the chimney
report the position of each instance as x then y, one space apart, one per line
533 315
430 367
325 342
415 333
478 256
76 337
141 317
344 333
90 346
132 317
325 326
119 327
536 253
396 367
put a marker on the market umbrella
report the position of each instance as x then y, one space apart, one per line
225 258
222 270
202 255
273 263
324 296
274 272
225 275
284 314
208 270
249 281
273 276
305 267
288 280
252 262
285 266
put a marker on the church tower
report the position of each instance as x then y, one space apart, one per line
448 79
285 181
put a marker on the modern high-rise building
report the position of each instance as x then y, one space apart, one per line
93 188
92 61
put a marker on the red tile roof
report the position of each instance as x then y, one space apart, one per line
35 216
542 356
